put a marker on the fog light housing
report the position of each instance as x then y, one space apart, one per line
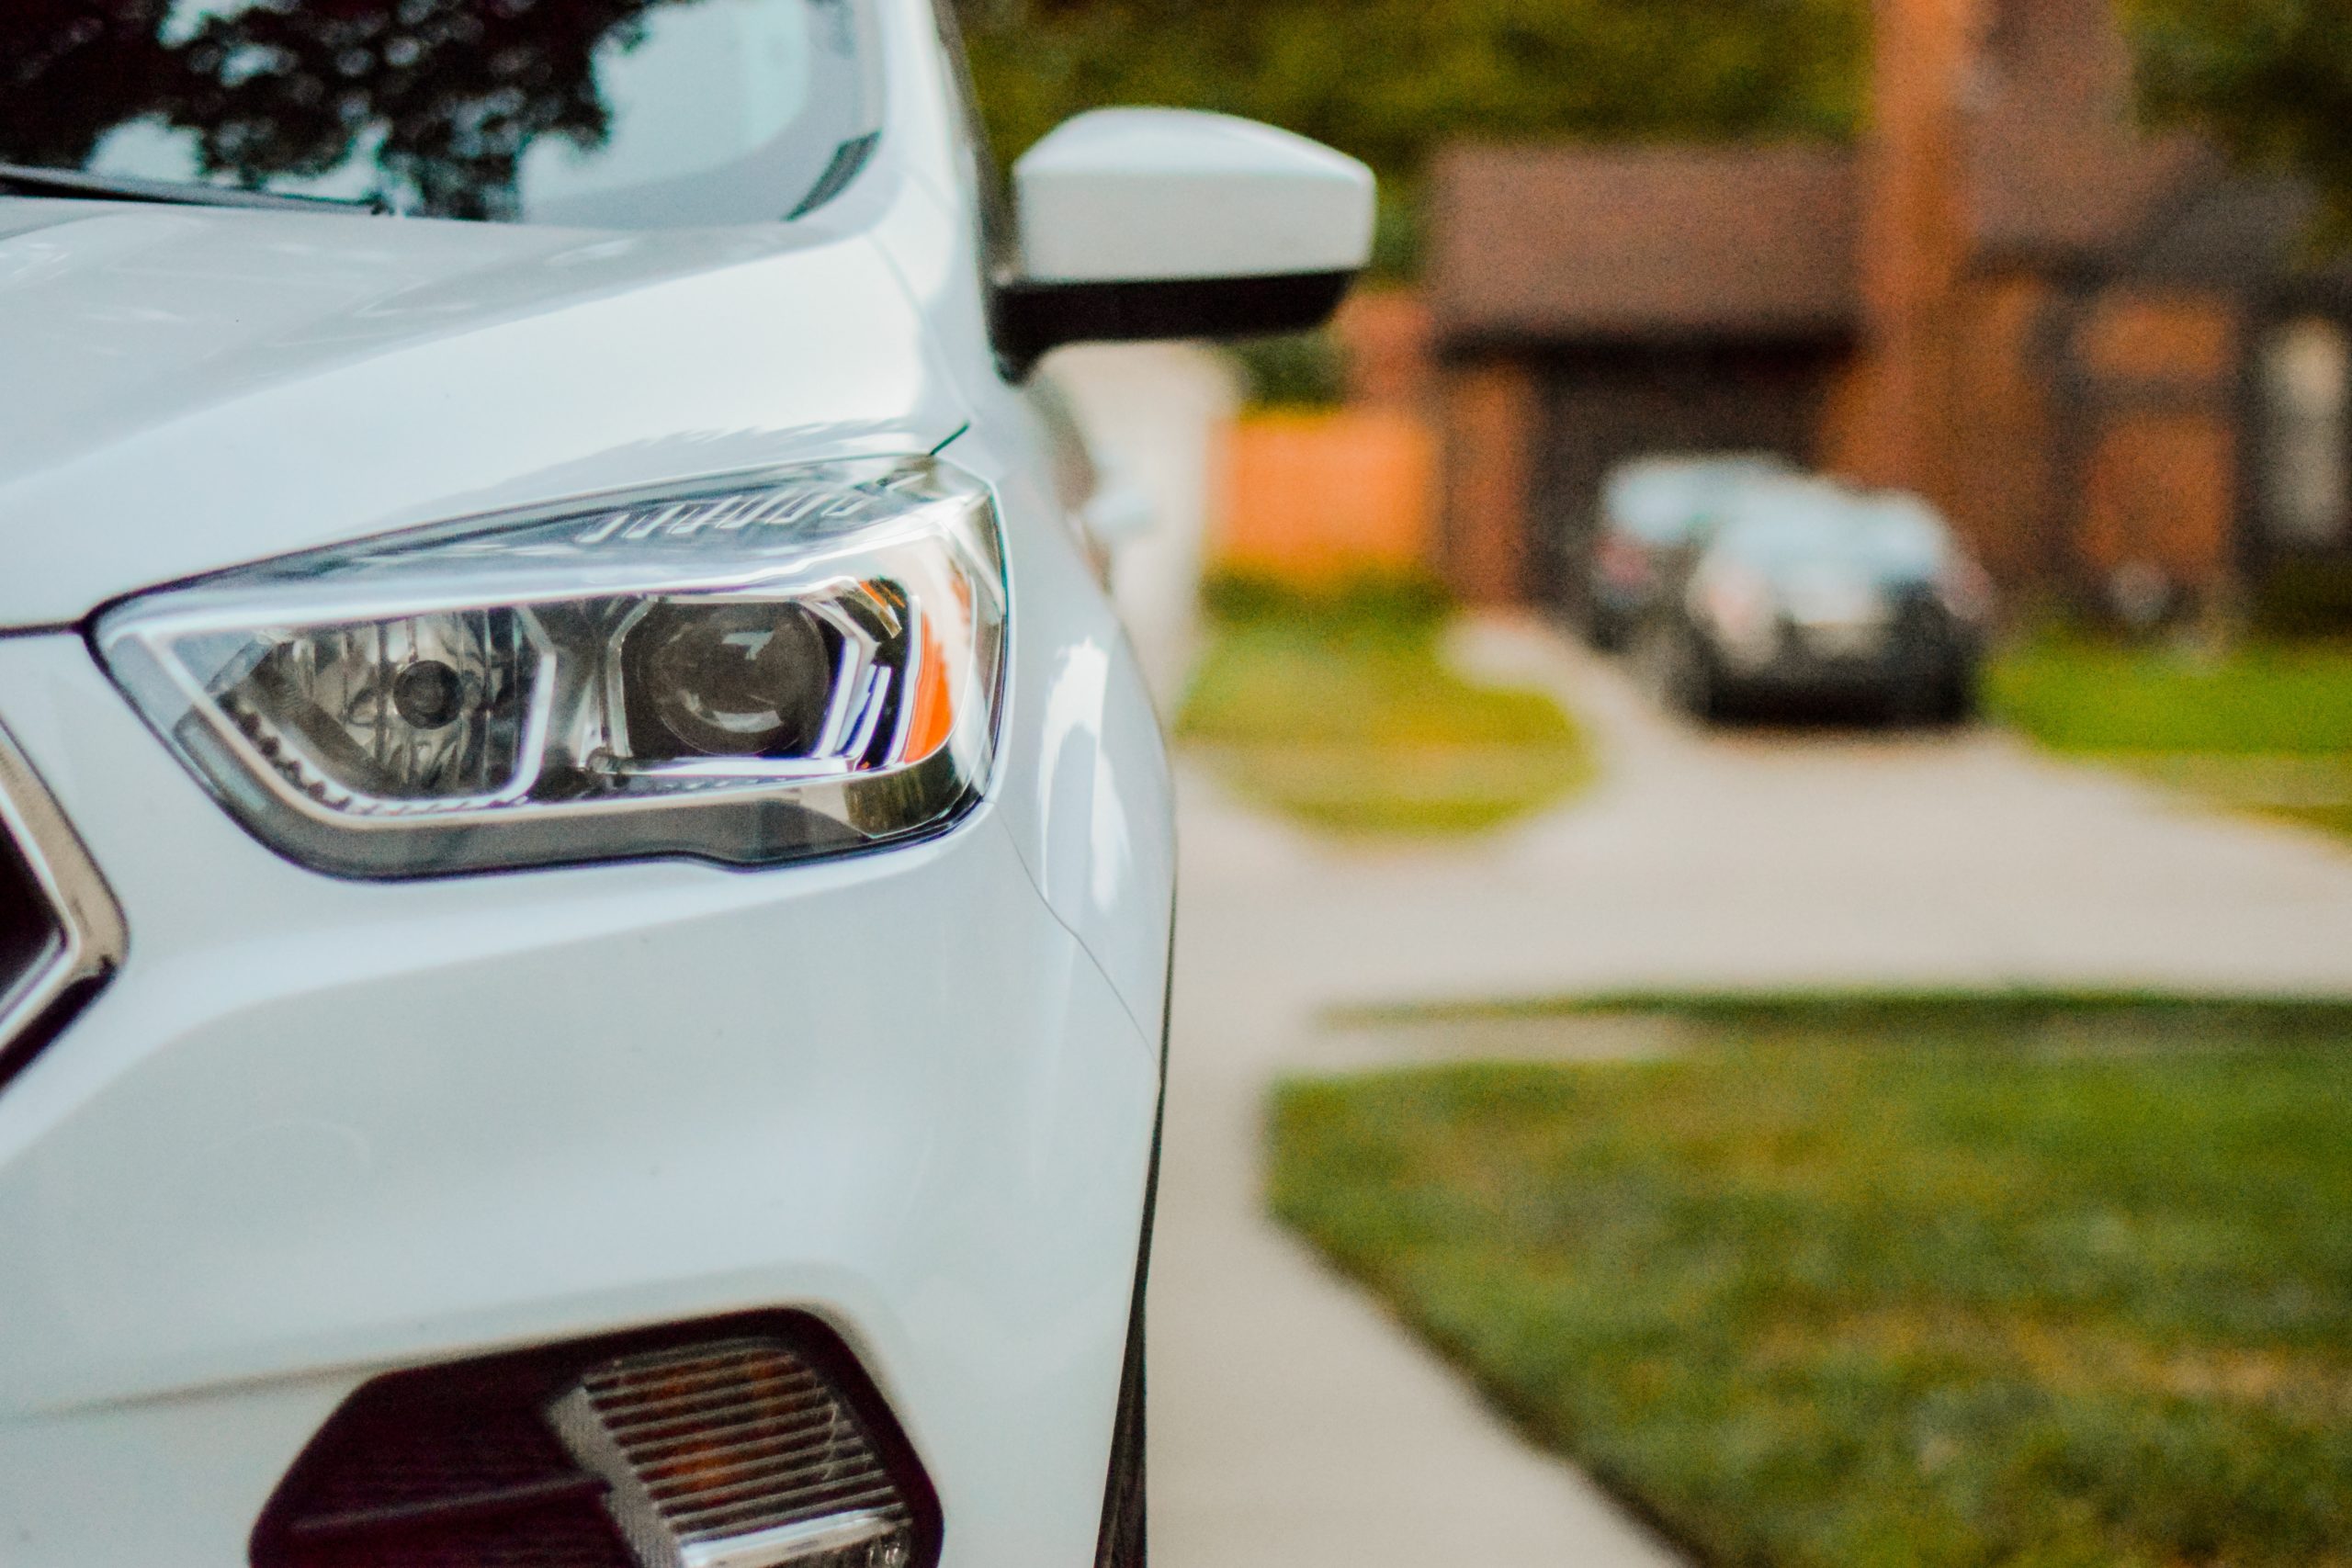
749 1442
734 1455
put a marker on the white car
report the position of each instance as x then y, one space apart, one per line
1652 508
585 872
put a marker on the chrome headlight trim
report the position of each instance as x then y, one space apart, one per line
90 937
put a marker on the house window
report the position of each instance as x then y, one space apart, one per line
2307 384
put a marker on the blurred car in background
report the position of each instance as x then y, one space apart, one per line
1650 509
1806 594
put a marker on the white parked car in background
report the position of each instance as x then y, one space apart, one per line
585 872
1652 509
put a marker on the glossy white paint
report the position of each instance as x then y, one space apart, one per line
1085 764
321 1129
1160 195
215 386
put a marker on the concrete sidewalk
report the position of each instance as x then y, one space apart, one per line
1294 1425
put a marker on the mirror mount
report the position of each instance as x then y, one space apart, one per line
1033 318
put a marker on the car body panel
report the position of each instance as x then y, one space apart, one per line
496 1111
321 1129
191 411
1094 817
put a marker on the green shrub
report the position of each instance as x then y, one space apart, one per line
1375 600
1298 370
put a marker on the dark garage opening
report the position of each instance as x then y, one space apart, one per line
1601 406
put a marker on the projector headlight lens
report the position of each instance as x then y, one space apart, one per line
800 665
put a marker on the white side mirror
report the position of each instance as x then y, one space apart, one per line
1131 195
1157 224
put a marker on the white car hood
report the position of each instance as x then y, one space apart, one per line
186 388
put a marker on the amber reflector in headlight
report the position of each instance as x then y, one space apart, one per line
752 1443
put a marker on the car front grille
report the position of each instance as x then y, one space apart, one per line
61 931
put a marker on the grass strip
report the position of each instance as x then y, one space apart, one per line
2045 1280
1343 713
2258 700
2263 728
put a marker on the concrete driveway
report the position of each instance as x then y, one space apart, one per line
1294 1425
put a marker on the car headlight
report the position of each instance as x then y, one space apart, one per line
750 672
1743 609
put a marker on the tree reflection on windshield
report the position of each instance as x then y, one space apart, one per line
442 97
71 69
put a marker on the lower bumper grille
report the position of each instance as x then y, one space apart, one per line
61 931
753 1443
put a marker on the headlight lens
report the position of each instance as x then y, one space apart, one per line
801 664
1741 605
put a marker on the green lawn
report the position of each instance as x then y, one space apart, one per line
2264 727
2032 1280
1343 713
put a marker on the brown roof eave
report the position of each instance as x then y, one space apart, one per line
1693 244
1459 343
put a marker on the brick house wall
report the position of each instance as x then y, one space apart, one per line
1489 428
2068 427
1911 249
1981 280
2162 447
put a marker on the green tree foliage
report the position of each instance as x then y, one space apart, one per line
1389 80
65 67
458 90
2271 80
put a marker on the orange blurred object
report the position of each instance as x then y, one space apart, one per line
1317 498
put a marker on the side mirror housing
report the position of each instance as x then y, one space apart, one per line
1170 223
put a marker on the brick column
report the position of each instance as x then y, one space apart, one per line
1490 416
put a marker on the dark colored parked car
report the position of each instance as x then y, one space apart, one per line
1809 596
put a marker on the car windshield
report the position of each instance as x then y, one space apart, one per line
1807 527
621 113
1664 501
1904 538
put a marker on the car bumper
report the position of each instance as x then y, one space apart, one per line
316 1131
1805 663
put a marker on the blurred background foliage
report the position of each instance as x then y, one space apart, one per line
456 91
1390 81
1299 371
2271 80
